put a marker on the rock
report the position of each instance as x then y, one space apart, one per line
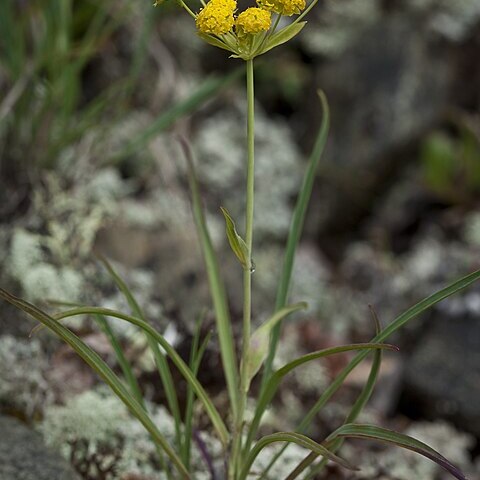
23 456
24 388
442 375
390 77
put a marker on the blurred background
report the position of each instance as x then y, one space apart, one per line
93 98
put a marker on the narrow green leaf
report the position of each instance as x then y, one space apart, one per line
290 437
104 326
209 88
196 356
217 289
103 370
102 322
258 348
216 42
237 244
404 318
372 432
303 465
296 228
170 351
357 407
283 36
367 390
275 379
160 361
385 333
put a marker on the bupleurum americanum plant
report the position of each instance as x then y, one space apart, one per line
245 34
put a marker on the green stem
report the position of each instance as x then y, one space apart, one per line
236 466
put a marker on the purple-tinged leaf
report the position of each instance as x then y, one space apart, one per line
387 436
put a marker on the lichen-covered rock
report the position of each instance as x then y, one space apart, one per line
220 142
442 372
23 455
90 430
24 388
388 73
104 441
340 25
50 249
393 283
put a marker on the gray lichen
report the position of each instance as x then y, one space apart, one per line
340 24
27 263
222 166
90 431
23 386
95 431
49 247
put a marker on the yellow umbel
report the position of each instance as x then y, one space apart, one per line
217 17
253 20
283 7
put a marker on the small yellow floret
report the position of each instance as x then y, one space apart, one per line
217 17
254 20
283 7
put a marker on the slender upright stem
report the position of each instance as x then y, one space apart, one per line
247 276
235 460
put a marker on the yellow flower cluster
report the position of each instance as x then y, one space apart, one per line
253 20
217 17
283 7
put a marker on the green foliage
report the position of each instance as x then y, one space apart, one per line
45 50
59 72
387 436
451 164
49 44
237 244
260 339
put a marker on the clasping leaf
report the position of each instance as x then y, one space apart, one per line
236 242
260 339
283 36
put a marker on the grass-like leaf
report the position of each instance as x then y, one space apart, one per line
289 437
275 379
160 360
217 288
208 89
170 351
258 348
127 371
401 320
196 355
296 228
104 326
384 334
384 435
103 370
357 407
